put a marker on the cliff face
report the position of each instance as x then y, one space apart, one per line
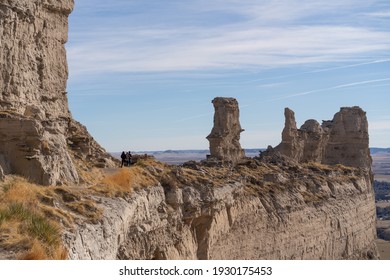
36 127
257 211
33 59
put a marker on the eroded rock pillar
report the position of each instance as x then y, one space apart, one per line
225 136
348 142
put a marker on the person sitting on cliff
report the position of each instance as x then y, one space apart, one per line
123 157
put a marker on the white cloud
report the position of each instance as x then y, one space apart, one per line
259 38
382 14
332 88
167 50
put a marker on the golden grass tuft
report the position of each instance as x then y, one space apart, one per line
37 252
121 179
20 191
125 181
25 227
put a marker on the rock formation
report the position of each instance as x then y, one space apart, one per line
225 136
254 211
343 140
348 141
39 139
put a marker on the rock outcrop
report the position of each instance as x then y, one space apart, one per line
37 130
255 211
225 136
348 141
343 140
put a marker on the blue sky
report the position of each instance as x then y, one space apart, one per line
143 73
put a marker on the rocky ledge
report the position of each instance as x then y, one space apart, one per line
257 210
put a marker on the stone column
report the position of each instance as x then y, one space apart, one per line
348 142
225 136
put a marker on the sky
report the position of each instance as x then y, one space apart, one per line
142 74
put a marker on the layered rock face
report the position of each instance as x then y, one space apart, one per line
348 140
259 211
35 123
343 140
225 136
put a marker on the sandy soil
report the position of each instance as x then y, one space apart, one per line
384 249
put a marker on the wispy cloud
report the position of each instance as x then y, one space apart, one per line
258 38
270 47
332 88
381 14
350 65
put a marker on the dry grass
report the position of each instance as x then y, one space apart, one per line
20 191
39 252
25 227
125 181
33 217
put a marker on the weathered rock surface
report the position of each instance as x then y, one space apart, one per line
225 136
29 149
348 142
35 122
343 140
291 145
311 213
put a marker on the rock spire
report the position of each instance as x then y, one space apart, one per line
225 136
343 140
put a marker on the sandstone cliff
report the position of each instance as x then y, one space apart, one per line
255 211
343 140
39 139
